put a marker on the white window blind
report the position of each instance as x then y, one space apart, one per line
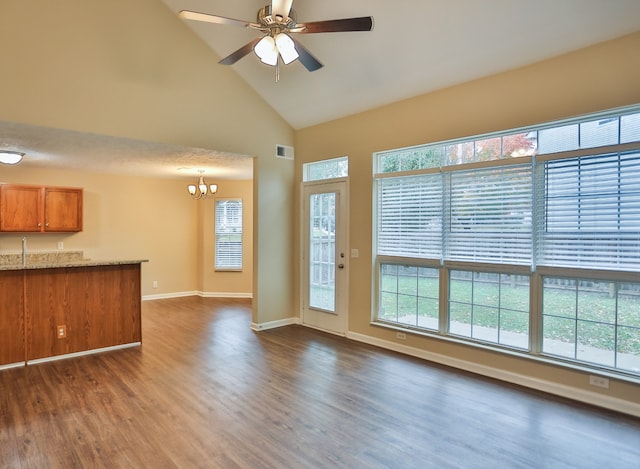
410 216
489 215
228 248
591 212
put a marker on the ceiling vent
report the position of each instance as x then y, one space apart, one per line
283 151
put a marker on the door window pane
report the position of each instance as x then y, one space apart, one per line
322 251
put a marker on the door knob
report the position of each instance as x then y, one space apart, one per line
340 266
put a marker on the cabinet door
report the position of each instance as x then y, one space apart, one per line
11 317
20 208
62 209
99 307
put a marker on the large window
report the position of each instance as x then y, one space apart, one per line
228 220
526 240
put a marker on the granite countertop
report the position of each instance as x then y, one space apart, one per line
56 260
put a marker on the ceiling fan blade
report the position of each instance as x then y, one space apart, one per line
237 55
304 56
281 8
195 16
363 23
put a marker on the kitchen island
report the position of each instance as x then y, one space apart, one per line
59 304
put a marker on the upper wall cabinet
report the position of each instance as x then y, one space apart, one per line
25 208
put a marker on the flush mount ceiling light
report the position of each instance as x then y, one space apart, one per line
10 157
278 24
202 190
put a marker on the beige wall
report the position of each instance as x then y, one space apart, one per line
597 78
128 217
132 69
125 217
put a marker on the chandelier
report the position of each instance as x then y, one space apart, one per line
202 190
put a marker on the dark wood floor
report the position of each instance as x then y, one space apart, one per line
205 391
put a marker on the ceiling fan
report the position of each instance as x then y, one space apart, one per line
278 24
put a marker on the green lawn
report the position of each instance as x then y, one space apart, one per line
586 315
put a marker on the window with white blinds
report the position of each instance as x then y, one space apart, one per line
488 215
590 212
228 229
410 216
478 215
466 230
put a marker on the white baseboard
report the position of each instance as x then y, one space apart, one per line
225 295
163 296
611 403
263 326
11 365
83 353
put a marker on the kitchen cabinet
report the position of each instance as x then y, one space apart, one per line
97 306
28 209
12 343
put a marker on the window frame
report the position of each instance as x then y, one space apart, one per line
229 254
536 273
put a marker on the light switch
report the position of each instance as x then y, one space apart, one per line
355 253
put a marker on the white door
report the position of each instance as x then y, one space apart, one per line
324 259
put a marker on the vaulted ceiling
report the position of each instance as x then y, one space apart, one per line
416 46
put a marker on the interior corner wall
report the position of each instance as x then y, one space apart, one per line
135 70
597 78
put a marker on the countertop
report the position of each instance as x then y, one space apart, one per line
65 264
57 260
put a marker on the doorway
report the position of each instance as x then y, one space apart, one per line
324 258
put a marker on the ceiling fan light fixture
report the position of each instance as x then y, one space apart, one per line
10 157
266 50
286 47
278 22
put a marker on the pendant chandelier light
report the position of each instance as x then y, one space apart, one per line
202 190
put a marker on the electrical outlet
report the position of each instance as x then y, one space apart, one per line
62 332
155 284
401 336
599 381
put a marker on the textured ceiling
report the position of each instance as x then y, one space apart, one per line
78 150
416 46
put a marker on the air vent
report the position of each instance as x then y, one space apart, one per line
283 151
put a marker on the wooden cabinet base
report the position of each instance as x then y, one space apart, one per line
62 311
12 343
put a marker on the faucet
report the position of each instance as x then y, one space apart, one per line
24 251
